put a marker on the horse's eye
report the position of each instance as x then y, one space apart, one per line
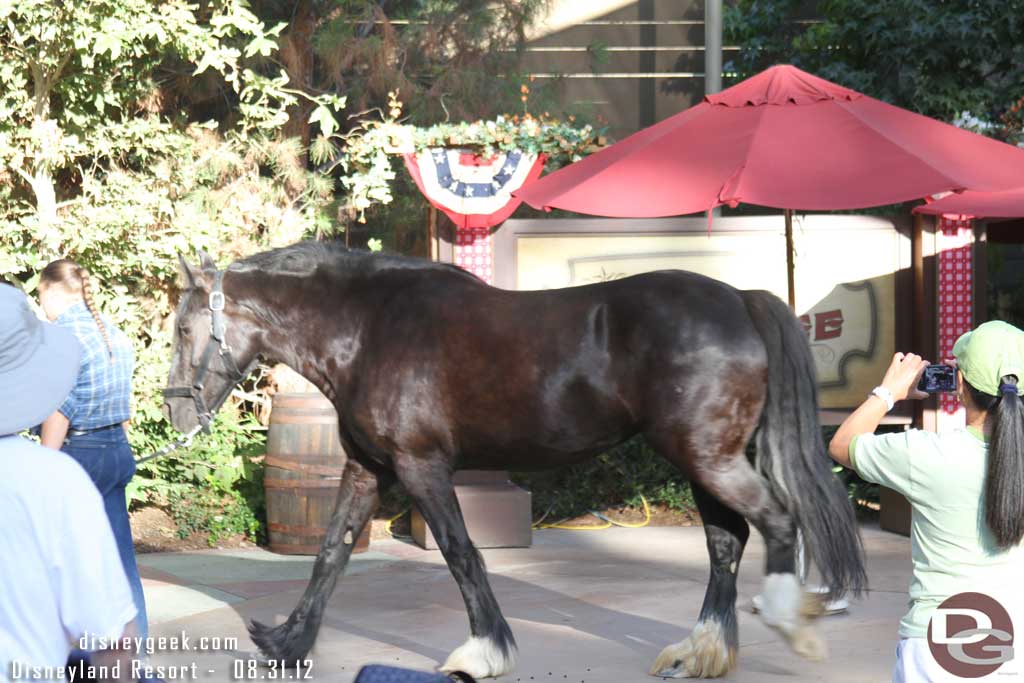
185 330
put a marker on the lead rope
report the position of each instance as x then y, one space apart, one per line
184 442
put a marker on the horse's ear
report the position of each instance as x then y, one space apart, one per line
188 275
206 262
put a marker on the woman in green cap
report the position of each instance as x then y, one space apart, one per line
966 486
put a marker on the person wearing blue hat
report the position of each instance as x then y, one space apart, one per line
61 578
965 486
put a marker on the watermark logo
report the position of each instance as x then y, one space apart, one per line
971 635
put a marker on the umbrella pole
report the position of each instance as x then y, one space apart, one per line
790 279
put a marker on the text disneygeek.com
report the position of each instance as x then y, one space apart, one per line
154 644
139 667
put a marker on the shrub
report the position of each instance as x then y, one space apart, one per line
220 515
617 477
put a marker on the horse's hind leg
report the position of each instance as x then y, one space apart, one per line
736 484
710 650
491 648
731 479
358 497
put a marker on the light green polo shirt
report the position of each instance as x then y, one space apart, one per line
943 477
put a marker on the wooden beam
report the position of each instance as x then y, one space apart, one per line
979 281
917 267
435 249
919 328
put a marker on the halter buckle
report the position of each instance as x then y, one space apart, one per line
216 300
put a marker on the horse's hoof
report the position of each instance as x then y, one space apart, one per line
282 643
808 643
704 654
480 658
263 637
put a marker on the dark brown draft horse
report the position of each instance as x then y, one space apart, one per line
431 371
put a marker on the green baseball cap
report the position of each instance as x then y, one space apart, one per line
989 352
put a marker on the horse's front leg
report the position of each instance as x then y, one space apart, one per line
491 648
358 497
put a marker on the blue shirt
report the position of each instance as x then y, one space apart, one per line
102 394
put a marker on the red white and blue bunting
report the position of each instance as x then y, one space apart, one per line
475 192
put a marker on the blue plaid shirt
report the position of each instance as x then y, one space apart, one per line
102 394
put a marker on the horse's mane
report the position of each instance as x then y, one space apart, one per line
305 258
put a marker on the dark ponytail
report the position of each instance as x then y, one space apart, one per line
1004 485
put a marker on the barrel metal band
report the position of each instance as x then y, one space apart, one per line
297 529
324 418
329 483
283 462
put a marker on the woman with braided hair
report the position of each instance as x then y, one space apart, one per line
90 425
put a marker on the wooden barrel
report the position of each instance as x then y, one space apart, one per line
303 471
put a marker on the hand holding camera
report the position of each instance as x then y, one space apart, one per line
904 375
910 376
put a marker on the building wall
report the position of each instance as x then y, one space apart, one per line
632 62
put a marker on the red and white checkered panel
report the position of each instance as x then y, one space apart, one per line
955 241
473 252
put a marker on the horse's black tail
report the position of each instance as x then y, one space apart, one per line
791 454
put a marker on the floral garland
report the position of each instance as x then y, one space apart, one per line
562 141
368 149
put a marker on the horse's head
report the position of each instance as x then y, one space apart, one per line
214 347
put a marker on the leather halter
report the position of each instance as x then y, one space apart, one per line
217 341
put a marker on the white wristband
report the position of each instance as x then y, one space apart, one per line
885 395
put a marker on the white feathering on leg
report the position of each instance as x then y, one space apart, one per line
782 609
782 597
704 654
480 658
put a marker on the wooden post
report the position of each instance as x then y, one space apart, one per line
919 322
435 248
790 266
400 246
979 283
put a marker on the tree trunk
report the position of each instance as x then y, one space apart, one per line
297 56
46 212
42 179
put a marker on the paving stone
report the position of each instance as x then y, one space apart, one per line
588 607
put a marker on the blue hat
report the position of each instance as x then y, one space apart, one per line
38 364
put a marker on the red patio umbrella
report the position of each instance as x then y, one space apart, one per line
783 139
1008 204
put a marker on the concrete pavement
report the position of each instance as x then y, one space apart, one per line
585 606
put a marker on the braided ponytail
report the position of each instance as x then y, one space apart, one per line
83 276
75 279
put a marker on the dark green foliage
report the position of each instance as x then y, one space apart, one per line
618 477
1005 286
448 58
202 510
856 488
937 58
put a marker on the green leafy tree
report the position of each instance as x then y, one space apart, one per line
92 167
941 59
449 59
77 90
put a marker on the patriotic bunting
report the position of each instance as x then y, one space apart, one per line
475 192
